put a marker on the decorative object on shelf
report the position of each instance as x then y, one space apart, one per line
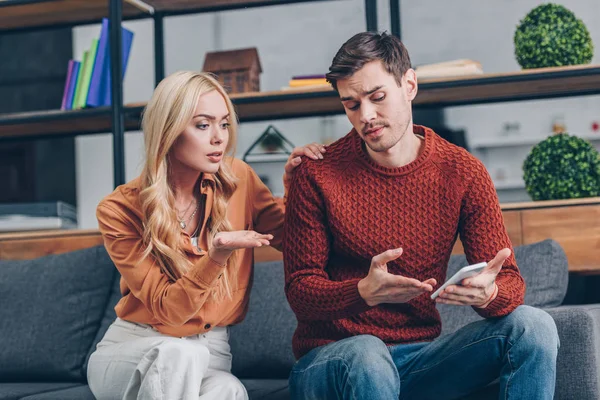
237 70
559 125
274 144
562 167
552 36
448 69
511 128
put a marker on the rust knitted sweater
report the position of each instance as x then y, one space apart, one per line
345 209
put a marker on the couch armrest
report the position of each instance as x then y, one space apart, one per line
578 364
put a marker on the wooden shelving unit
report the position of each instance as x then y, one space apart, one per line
27 15
525 85
36 14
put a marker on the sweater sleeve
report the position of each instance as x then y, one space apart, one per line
483 234
267 212
171 303
307 242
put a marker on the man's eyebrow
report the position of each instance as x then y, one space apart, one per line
368 92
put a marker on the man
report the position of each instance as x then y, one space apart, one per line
369 231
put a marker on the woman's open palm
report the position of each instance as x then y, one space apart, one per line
240 240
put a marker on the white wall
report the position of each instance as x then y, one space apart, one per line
302 39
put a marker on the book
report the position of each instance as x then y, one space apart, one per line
40 209
72 84
87 74
16 223
63 105
447 69
318 76
100 83
307 82
82 67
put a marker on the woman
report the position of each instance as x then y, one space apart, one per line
182 235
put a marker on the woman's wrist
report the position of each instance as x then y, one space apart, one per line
219 256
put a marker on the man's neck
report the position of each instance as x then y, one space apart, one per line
403 153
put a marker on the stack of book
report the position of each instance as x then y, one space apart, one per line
449 69
15 217
88 82
308 81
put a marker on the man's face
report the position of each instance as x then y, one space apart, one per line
377 107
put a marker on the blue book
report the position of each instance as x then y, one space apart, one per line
72 85
100 90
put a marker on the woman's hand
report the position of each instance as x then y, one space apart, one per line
312 150
224 243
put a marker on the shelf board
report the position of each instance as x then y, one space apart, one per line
266 158
297 103
519 141
21 15
47 124
178 7
30 14
536 205
543 83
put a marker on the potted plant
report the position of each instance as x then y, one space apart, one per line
552 36
562 167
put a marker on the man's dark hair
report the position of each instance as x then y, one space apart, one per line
365 47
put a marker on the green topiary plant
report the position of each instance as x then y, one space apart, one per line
552 36
562 167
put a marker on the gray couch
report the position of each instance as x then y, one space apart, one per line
56 308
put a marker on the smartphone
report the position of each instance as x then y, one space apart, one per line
461 274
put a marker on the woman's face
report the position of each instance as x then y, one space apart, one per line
202 144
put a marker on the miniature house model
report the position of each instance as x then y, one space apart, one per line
237 70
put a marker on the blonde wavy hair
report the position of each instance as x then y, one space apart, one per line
166 116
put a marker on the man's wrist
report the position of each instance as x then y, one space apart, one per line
362 291
492 297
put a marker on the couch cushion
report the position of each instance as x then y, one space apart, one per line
262 344
544 268
15 391
267 389
108 317
56 305
81 392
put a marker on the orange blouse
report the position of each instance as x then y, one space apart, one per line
184 307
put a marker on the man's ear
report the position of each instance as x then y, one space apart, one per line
410 84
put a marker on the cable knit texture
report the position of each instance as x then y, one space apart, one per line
345 209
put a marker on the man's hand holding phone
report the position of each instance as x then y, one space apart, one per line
479 290
379 286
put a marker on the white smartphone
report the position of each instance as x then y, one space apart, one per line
461 274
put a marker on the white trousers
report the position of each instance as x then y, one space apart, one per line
134 361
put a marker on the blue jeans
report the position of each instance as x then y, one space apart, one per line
520 349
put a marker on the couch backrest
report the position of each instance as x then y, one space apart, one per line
52 309
544 268
261 344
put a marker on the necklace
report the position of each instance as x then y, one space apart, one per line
182 222
186 210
